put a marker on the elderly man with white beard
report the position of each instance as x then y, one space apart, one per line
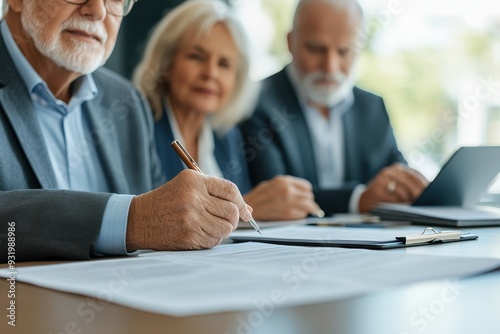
77 145
311 122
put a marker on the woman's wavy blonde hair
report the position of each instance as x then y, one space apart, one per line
195 17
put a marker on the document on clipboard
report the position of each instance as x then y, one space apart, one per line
345 237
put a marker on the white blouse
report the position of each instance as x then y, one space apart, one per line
206 154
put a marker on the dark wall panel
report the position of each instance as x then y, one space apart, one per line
134 33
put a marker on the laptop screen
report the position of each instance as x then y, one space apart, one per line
464 178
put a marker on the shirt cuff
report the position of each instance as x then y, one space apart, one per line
112 239
355 196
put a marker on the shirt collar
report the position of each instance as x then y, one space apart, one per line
341 108
84 88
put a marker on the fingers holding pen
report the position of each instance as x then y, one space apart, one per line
228 191
282 198
299 195
192 211
224 218
219 188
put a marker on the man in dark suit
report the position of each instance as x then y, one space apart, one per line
312 123
76 143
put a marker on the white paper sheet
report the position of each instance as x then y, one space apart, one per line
244 276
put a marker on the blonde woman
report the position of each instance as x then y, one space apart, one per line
195 74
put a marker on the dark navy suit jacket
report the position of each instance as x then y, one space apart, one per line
278 141
227 150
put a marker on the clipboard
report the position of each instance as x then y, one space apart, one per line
429 236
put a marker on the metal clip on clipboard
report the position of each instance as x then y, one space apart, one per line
432 237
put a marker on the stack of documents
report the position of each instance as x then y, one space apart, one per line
245 277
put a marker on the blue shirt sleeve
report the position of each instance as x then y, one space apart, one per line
112 239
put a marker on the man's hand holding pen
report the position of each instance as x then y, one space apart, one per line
191 164
192 211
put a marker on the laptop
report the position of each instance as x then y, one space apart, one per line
451 197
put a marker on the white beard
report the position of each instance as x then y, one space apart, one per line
327 95
73 55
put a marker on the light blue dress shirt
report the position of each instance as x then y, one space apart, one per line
73 156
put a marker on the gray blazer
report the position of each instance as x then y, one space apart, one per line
278 141
58 223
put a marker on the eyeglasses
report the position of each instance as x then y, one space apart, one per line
113 7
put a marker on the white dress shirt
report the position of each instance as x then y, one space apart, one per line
206 156
328 140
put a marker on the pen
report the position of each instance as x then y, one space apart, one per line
191 164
